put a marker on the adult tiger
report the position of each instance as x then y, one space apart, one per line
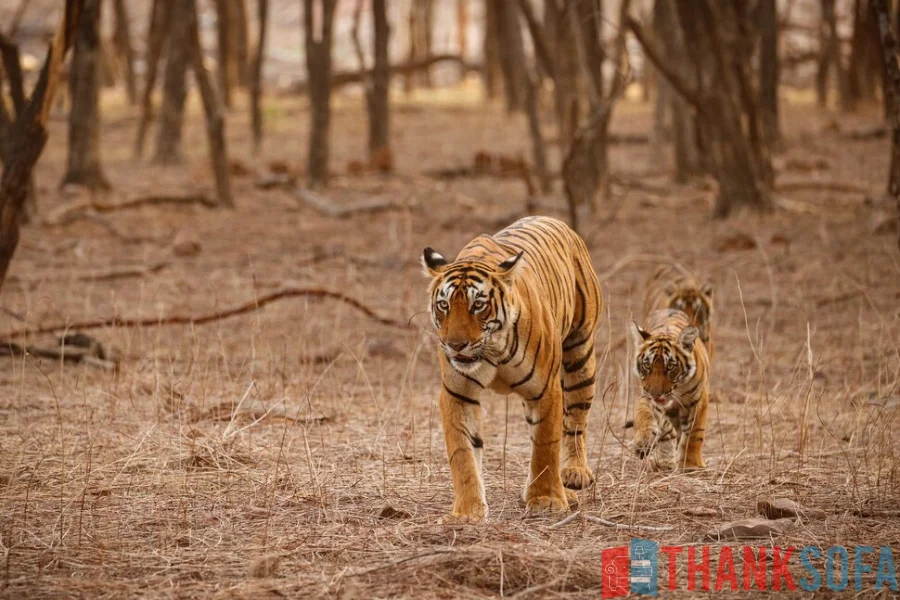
674 287
673 367
516 312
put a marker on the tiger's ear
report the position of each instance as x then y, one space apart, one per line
687 337
434 263
707 289
508 268
638 335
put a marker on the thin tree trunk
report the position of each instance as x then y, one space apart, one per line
892 89
28 136
512 56
462 28
562 42
240 25
829 52
377 93
215 123
490 73
168 139
123 46
769 71
84 166
160 20
12 65
318 39
226 68
256 80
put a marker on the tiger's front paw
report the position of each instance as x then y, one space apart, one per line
577 478
467 511
547 504
642 444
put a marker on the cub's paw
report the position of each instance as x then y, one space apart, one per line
577 478
572 497
642 445
547 504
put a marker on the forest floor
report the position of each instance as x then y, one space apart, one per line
257 455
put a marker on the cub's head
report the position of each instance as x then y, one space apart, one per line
694 300
663 364
469 304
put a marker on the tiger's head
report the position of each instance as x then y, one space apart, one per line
471 301
663 364
693 300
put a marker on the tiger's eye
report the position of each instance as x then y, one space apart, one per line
443 306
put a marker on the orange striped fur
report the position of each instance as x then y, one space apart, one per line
517 312
673 367
676 288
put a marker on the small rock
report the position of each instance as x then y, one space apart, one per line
389 512
883 223
274 180
185 244
736 242
785 508
701 511
264 566
749 529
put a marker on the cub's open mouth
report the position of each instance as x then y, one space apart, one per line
464 360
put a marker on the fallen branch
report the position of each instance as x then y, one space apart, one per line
120 272
241 309
73 211
820 302
331 209
605 523
823 186
116 232
76 348
343 78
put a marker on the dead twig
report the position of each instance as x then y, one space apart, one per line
247 307
329 208
814 185
70 212
606 523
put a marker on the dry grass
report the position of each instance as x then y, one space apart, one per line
218 462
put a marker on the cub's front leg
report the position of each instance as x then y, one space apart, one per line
461 421
645 428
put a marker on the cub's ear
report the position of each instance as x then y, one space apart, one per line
687 337
707 289
638 335
434 263
508 268
669 289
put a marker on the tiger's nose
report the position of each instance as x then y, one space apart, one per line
457 346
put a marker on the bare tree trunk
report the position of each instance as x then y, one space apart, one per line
84 119
256 79
462 28
12 65
318 37
226 68
491 49
892 89
240 25
160 20
377 99
769 72
737 155
562 42
168 138
215 123
421 23
829 53
28 136
512 55
122 37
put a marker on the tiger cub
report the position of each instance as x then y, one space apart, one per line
673 367
674 287
516 312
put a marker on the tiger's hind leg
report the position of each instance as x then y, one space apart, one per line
578 379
